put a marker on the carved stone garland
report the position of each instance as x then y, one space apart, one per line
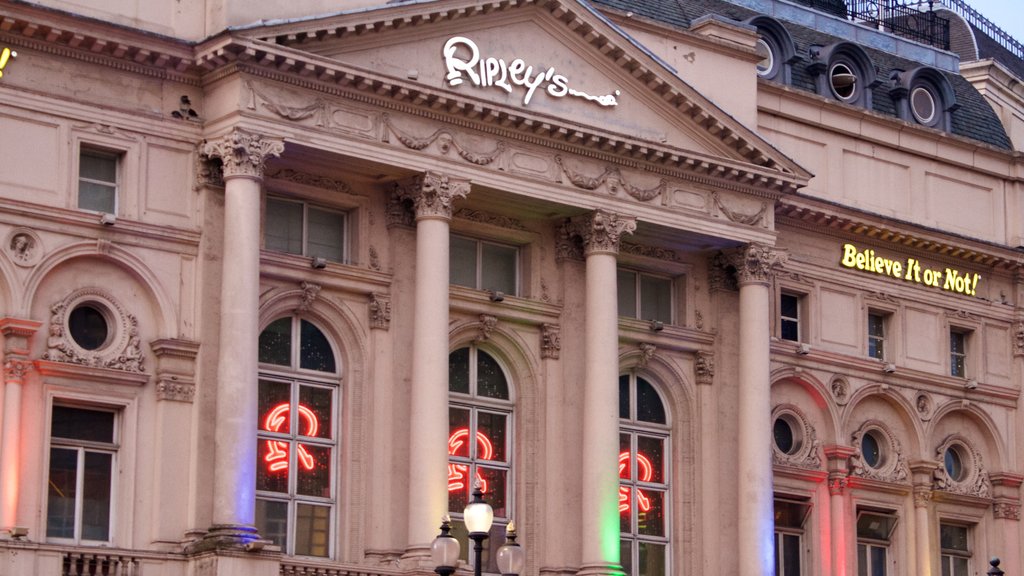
893 467
807 448
975 482
123 349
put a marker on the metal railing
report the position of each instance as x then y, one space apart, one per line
985 25
915 21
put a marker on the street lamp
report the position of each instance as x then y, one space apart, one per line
511 556
478 517
445 549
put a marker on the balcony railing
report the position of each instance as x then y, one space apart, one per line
985 25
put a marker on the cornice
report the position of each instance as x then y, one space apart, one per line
818 216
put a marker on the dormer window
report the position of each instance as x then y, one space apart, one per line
842 80
775 47
925 96
844 72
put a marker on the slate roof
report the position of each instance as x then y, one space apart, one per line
989 47
975 118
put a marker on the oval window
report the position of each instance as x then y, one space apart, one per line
767 55
88 326
871 450
785 440
843 82
954 464
922 105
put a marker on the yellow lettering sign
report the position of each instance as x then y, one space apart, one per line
5 55
949 279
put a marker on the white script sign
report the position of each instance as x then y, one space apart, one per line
484 72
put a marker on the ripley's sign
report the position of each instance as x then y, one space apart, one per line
468 64
948 279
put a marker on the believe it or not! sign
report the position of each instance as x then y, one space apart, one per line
910 270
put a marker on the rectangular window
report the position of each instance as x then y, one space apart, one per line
644 296
874 538
83 450
483 265
958 353
299 228
790 516
789 317
97 180
876 335
956 552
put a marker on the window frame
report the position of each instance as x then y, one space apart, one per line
296 377
114 448
868 542
799 532
801 313
638 289
307 205
478 269
635 428
886 339
99 151
949 554
965 336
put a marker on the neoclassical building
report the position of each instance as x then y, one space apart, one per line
686 287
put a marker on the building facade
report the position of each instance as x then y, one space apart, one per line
686 287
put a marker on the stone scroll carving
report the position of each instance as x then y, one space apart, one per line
122 349
975 480
806 452
704 368
550 341
243 153
380 311
892 465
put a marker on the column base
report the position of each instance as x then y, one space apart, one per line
417 559
601 570
231 537
235 563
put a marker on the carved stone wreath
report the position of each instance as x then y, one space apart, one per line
893 465
806 451
123 347
975 481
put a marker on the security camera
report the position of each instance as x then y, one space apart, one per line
108 219
254 546
657 325
497 296
318 263
888 367
803 349
971 384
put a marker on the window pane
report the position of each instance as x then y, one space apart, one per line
953 537
499 268
650 459
656 298
626 552
492 436
274 406
313 464
312 530
790 555
490 380
625 449
626 285
789 321
947 566
648 403
82 424
315 405
624 396
283 232
272 521
326 236
650 512
458 371
276 343
98 197
97 166
272 465
462 261
98 475
877 561
960 566
61 493
314 350
862 560
651 561
495 487
459 482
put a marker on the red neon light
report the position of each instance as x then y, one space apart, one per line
646 475
277 450
457 472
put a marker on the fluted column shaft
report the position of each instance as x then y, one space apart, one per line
754 265
432 196
234 482
16 366
600 232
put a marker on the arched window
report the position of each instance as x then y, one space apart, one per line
298 438
479 442
644 474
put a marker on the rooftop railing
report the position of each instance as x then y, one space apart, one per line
915 21
985 25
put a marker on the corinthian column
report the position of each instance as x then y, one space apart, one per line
234 475
754 268
600 232
923 472
16 365
432 196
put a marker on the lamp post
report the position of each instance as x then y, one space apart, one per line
511 557
478 516
445 549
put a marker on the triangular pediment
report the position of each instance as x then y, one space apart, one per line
546 66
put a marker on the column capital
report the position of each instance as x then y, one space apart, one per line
243 153
601 230
922 496
15 369
433 193
837 484
755 263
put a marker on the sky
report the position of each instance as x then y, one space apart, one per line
1007 14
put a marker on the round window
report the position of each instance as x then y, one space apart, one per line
88 326
871 450
954 464
782 432
767 63
842 81
922 105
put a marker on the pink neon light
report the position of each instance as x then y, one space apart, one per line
646 475
457 472
277 450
